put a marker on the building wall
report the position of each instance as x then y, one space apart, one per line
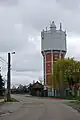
53 41
53 47
50 59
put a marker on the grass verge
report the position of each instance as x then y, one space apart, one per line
75 102
12 100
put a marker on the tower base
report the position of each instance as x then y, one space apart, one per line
49 58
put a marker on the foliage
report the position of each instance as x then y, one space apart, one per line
75 102
12 100
1 85
19 90
66 73
70 70
41 80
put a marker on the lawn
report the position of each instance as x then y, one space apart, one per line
75 102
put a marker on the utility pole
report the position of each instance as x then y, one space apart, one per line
8 79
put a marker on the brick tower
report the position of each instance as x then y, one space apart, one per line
53 47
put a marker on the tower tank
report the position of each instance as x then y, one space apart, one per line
53 47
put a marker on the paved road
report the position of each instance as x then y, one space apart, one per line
41 109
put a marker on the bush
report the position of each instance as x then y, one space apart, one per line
75 102
12 100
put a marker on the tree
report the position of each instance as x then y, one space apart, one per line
14 87
66 73
24 89
1 85
41 80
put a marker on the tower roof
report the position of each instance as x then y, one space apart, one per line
52 25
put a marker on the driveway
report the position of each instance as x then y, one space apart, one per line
33 108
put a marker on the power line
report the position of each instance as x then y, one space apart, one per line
3 63
3 59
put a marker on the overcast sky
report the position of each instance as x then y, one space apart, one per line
21 22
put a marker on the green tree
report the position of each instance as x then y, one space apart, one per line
1 85
66 73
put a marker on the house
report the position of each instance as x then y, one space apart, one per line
36 89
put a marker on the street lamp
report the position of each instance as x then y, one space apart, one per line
13 52
9 77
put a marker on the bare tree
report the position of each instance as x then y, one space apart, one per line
41 80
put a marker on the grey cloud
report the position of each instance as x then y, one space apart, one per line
16 80
26 69
39 14
69 4
32 75
25 77
8 2
31 62
33 16
20 25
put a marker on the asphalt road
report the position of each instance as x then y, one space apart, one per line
33 108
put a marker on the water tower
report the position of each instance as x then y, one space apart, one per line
53 47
